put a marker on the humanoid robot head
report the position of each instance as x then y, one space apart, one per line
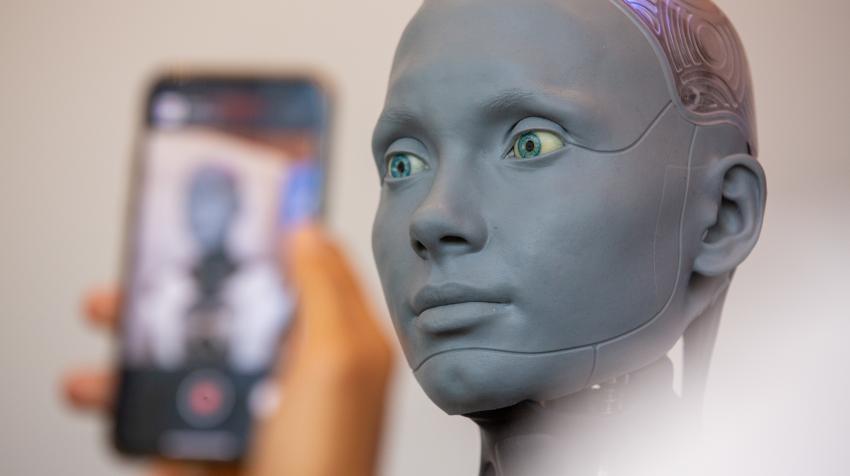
561 193
212 204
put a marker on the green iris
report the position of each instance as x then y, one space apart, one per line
535 143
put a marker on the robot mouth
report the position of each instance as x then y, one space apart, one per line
459 317
447 297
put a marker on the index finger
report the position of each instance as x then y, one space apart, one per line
101 307
320 269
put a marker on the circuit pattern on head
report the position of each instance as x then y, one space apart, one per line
706 61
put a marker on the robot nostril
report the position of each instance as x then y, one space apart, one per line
443 245
453 240
418 247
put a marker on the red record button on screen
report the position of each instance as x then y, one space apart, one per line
205 398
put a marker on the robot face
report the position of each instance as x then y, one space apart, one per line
534 171
212 206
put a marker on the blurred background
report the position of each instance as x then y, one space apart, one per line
71 89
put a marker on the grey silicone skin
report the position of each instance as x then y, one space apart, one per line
529 280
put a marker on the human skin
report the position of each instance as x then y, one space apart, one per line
530 279
333 384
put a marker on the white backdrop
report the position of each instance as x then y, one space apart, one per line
72 76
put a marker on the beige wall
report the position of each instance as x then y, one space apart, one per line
72 72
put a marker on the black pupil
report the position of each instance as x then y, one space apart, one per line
400 166
529 146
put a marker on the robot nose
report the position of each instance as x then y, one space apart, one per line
447 223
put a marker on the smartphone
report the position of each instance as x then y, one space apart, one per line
224 164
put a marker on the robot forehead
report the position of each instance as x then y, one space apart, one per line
598 49
213 176
704 59
583 59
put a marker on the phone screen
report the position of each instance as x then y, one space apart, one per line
224 166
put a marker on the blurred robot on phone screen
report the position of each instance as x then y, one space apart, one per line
204 285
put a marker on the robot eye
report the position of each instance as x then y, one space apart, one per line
535 143
403 164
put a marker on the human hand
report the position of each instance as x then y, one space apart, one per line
333 382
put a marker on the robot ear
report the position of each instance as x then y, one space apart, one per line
737 190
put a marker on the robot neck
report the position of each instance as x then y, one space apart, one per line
606 429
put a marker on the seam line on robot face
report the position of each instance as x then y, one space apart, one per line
636 142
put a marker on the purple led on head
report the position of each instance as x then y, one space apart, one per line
704 58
